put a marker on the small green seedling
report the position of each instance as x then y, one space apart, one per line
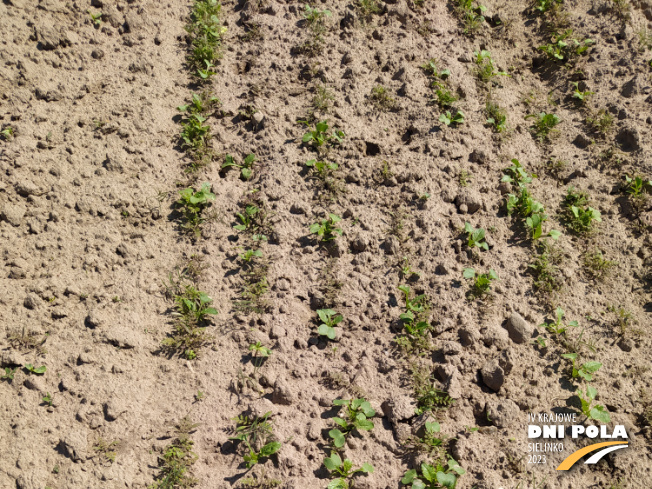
496 116
357 413
193 204
481 281
562 47
47 399
516 174
544 124
475 237
256 431
199 104
584 371
582 97
485 69
9 373
247 218
95 18
597 412
433 70
312 15
432 442
457 117
523 204
246 169
343 470
444 98
412 306
194 304
35 370
558 326
534 226
543 6
322 168
582 220
7 133
320 136
470 14
636 186
329 319
326 229
194 132
249 255
200 396
260 353
433 477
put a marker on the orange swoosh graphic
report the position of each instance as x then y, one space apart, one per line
575 456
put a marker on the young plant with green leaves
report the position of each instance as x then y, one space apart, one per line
563 47
318 137
246 168
637 187
601 121
205 32
484 67
517 175
470 14
543 6
545 268
96 19
434 476
454 118
322 169
35 370
596 266
589 409
381 99
475 237
193 204
9 374
260 352
200 104
428 396
326 229
581 96
248 256
7 133
557 326
496 116
367 9
256 431
581 371
194 133
534 226
356 417
177 459
247 218
343 470
544 124
481 284
329 319
582 220
193 309
432 441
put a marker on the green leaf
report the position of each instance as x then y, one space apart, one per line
591 392
333 462
246 173
367 468
409 477
367 409
569 356
599 413
554 234
307 137
338 437
417 484
338 484
469 273
591 367
364 424
433 427
250 159
446 480
429 472
270 449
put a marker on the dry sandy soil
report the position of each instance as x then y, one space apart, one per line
90 236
